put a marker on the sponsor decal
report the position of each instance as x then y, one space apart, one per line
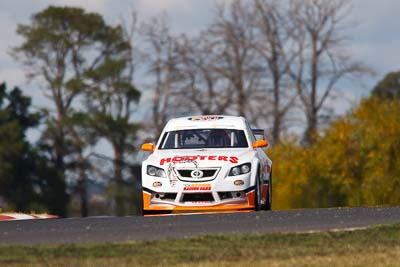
205 118
198 202
157 184
197 187
184 159
173 178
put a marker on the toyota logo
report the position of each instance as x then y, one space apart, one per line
196 174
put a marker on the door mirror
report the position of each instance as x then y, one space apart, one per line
260 143
148 147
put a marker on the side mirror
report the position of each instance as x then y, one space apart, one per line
148 147
260 143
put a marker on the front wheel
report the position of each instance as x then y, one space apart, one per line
268 205
142 212
258 194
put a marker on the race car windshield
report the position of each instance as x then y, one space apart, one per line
204 138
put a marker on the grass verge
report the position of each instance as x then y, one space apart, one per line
377 246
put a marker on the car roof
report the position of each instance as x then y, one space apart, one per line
206 122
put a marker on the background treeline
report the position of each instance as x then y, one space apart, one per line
355 162
112 86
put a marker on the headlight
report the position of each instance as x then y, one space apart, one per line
160 173
235 171
155 171
245 168
241 169
151 170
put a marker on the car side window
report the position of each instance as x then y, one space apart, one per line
250 133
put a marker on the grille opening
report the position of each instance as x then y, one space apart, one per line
168 196
198 197
206 173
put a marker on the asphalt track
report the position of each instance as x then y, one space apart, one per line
121 229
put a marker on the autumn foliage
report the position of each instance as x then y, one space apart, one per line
355 162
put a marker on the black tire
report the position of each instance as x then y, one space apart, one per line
258 193
141 210
268 205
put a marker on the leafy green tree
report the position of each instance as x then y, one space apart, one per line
388 87
56 48
59 45
67 47
111 101
12 144
25 174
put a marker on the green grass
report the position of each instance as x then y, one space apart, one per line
377 246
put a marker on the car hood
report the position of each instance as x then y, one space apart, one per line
200 157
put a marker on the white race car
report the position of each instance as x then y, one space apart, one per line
206 163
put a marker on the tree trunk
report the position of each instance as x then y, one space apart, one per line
82 189
58 203
119 182
312 116
242 100
276 130
311 131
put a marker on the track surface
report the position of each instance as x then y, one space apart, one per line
120 229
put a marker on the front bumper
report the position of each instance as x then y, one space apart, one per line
154 202
214 191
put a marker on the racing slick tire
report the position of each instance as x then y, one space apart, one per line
268 205
258 193
142 212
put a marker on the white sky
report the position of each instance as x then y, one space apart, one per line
375 40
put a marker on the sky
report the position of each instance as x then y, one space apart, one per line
374 40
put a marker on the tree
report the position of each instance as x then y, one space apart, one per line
354 163
272 34
162 66
56 48
321 60
14 121
388 87
233 36
61 46
201 86
111 100
25 175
